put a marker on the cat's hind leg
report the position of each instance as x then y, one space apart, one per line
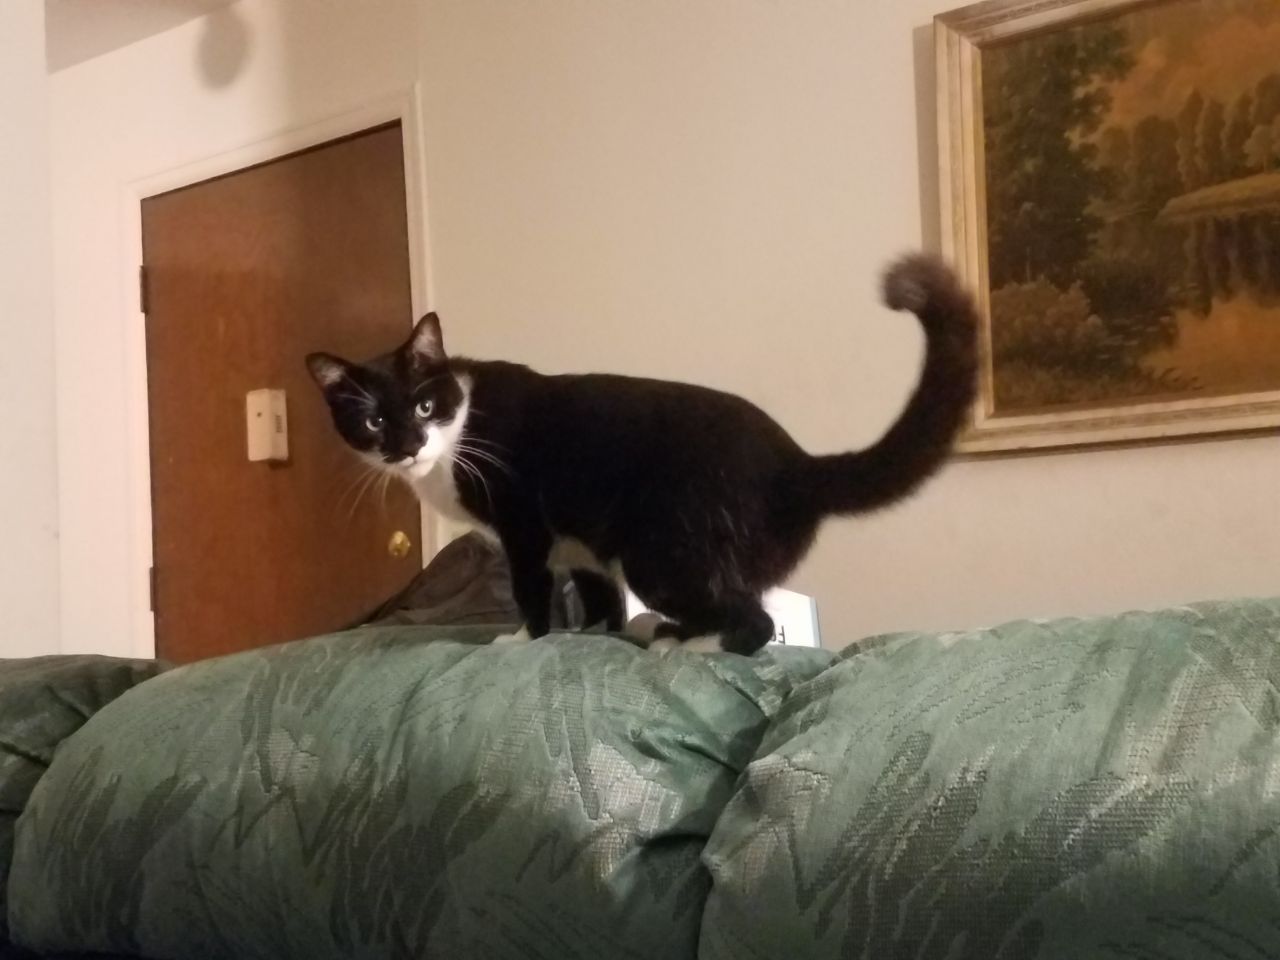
701 618
601 601
736 623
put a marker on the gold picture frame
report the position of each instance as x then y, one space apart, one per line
1043 325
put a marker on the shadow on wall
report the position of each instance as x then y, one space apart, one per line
927 136
224 49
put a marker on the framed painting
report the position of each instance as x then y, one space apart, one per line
1110 187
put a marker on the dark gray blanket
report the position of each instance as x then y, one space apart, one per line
468 583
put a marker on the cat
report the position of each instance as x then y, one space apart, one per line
695 499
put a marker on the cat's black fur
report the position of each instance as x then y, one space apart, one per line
696 497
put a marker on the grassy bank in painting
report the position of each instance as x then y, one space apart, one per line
1133 185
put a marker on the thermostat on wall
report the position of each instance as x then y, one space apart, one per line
266 426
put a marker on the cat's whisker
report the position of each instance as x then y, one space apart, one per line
482 446
370 479
483 441
360 478
471 469
387 477
351 483
483 455
469 445
466 466
364 489
336 477
483 459
475 472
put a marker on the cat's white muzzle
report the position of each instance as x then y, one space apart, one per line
419 466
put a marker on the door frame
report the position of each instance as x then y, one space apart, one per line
403 106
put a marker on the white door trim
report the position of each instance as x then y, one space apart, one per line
404 106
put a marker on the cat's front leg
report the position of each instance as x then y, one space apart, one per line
531 584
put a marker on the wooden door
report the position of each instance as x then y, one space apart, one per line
244 275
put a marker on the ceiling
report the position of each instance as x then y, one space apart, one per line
78 30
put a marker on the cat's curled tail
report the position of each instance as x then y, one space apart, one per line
921 439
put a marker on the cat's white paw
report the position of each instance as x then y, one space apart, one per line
708 644
520 636
642 626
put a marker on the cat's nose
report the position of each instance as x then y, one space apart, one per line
402 456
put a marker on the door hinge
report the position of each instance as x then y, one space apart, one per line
151 586
144 293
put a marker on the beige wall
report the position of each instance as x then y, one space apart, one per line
28 445
705 190
696 189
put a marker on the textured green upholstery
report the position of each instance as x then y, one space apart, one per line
43 701
388 793
1076 789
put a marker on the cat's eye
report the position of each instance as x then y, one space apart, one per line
375 423
423 409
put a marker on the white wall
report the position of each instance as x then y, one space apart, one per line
212 85
704 190
28 447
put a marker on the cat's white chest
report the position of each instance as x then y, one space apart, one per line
439 490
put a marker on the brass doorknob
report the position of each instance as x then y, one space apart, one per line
399 545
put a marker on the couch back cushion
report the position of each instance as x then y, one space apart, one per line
398 792
43 701
1075 789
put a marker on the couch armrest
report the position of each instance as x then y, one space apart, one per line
43 701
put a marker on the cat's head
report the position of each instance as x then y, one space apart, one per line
402 412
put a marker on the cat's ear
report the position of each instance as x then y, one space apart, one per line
427 342
327 370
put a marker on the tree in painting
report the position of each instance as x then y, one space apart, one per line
1134 237
1044 171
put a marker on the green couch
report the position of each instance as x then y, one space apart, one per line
1102 788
